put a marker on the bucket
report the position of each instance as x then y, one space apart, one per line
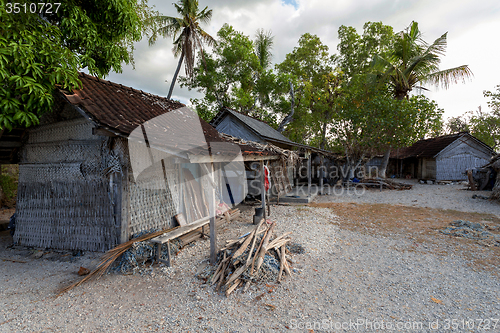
259 215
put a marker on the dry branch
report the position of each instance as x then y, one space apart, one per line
232 271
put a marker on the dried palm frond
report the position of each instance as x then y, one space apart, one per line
110 257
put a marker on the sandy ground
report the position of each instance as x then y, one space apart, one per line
367 267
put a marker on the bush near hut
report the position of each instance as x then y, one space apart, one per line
8 184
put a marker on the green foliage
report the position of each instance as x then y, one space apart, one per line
264 41
413 62
39 52
457 124
231 76
486 125
310 68
370 120
8 182
187 34
356 52
494 103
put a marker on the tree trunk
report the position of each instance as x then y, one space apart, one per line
175 75
288 118
323 136
385 162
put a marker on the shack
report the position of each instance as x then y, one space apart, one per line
315 163
446 157
111 161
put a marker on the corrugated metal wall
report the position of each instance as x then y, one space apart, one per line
463 154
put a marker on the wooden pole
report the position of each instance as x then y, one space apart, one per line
309 173
213 231
321 175
263 188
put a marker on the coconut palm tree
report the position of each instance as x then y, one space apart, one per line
264 41
412 63
187 34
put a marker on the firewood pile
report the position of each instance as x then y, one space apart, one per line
254 256
385 183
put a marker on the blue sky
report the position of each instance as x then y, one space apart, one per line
473 28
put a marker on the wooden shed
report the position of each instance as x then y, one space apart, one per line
80 185
445 157
244 127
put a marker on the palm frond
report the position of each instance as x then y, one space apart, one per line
448 76
204 16
264 41
439 45
185 30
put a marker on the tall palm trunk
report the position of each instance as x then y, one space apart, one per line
175 75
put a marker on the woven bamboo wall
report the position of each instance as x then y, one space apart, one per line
279 177
152 204
64 196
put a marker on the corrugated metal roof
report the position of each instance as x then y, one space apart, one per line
260 127
430 147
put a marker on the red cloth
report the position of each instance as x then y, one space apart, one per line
266 178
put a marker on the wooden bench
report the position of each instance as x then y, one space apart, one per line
180 231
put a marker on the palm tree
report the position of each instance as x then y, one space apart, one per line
412 63
264 41
263 45
186 32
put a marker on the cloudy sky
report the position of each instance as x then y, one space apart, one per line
473 38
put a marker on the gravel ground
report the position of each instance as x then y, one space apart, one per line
454 197
345 281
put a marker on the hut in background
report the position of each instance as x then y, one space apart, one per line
313 159
446 157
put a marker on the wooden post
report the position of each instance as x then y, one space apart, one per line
309 173
169 260
263 188
471 180
126 218
213 232
321 175
181 189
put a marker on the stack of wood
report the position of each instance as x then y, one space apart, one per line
241 259
228 216
385 183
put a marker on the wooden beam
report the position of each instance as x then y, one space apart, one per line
102 131
179 231
218 158
213 231
263 188
321 175
10 144
309 173
259 158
